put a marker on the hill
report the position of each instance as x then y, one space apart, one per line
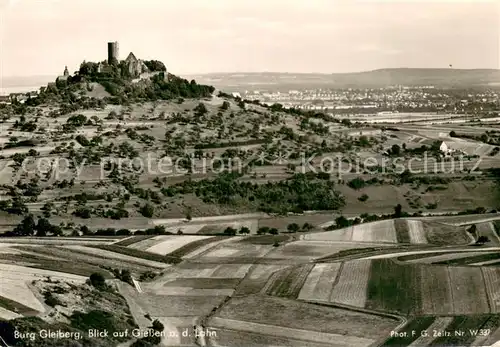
446 78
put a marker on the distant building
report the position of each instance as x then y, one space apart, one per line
4 99
104 68
443 147
64 76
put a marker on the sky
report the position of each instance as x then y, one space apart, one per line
40 37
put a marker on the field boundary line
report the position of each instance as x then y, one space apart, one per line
402 319
336 280
137 285
489 299
493 230
271 280
451 289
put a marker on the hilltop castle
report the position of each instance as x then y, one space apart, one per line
130 68
135 67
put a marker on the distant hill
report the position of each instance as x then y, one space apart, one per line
447 78
18 84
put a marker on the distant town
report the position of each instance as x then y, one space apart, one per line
389 99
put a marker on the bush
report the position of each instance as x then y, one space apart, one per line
244 230
51 300
263 230
230 231
363 197
147 210
157 325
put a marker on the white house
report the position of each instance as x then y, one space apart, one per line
444 148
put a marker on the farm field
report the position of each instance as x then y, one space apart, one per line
427 289
487 229
238 338
416 231
118 256
352 284
287 283
468 290
237 252
416 324
169 244
470 326
390 231
318 284
304 251
303 320
393 287
381 231
175 305
93 257
437 296
256 279
300 334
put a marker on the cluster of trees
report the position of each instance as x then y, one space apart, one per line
157 230
489 137
31 227
300 193
155 65
23 125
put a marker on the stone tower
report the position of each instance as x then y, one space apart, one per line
66 72
112 52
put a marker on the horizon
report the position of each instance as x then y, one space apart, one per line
250 37
281 72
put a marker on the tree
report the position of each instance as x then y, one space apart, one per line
341 222
363 197
244 230
225 105
97 280
453 133
273 231
395 149
147 210
472 229
126 276
200 110
157 325
26 227
307 226
230 231
293 227
43 227
262 230
398 211
85 230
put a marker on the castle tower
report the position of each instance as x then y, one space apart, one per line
66 72
112 52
